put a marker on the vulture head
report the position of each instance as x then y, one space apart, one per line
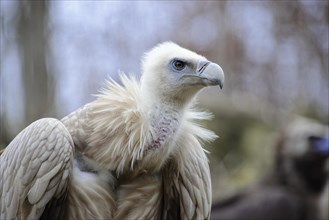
173 74
295 189
302 155
143 122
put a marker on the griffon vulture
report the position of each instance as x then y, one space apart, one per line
294 189
133 153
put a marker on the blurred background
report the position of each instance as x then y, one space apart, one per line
56 54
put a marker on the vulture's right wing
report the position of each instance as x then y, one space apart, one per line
34 171
187 191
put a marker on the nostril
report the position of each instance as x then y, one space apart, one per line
202 66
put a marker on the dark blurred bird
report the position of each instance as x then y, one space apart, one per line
134 153
293 189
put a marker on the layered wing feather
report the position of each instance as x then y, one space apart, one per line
34 171
187 183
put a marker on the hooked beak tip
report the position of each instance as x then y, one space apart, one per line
220 84
213 73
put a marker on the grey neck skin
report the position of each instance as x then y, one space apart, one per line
164 122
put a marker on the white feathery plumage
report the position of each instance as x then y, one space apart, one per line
120 125
137 148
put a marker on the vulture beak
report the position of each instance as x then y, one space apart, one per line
210 73
206 74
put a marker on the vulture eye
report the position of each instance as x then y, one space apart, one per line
179 65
